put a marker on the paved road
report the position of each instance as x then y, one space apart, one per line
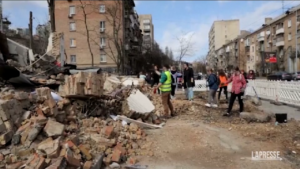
292 112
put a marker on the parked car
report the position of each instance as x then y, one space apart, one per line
298 76
280 76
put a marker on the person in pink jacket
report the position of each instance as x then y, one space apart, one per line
237 91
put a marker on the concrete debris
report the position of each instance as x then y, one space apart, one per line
37 130
256 117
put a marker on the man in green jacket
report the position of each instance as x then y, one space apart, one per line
165 89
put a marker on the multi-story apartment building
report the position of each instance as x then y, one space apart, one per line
221 32
147 28
278 37
231 54
107 30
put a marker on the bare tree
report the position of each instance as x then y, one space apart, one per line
186 48
115 45
85 11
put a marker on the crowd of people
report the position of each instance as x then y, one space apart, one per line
165 83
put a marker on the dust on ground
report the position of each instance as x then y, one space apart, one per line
201 137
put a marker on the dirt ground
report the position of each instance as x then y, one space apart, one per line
200 138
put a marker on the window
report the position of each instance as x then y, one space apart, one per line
102 58
268 45
252 48
102 9
289 36
225 36
102 25
73 59
289 23
102 41
72 43
72 26
72 10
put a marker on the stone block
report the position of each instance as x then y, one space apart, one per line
54 128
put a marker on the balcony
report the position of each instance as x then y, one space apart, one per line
261 38
280 30
147 28
279 41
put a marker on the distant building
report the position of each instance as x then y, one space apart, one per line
221 32
147 28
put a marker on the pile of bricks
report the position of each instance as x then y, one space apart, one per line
38 132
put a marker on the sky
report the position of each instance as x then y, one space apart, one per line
173 19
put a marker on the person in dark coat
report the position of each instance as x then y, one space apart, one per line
188 81
156 77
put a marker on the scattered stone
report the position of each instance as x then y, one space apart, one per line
54 128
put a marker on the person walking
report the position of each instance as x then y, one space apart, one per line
156 77
251 75
165 88
223 85
188 81
213 84
174 81
238 87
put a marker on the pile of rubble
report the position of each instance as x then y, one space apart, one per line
74 129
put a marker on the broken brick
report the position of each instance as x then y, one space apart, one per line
71 159
88 165
85 152
60 163
116 156
108 131
50 147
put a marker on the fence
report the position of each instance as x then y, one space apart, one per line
282 91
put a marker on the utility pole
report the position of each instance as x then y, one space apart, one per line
296 57
1 17
30 30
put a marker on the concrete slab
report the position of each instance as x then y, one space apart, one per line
291 111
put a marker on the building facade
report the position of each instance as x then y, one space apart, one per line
105 34
278 37
231 54
221 32
147 28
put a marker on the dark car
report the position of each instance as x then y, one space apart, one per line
280 76
298 76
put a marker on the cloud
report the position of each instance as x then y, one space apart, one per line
199 38
249 20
